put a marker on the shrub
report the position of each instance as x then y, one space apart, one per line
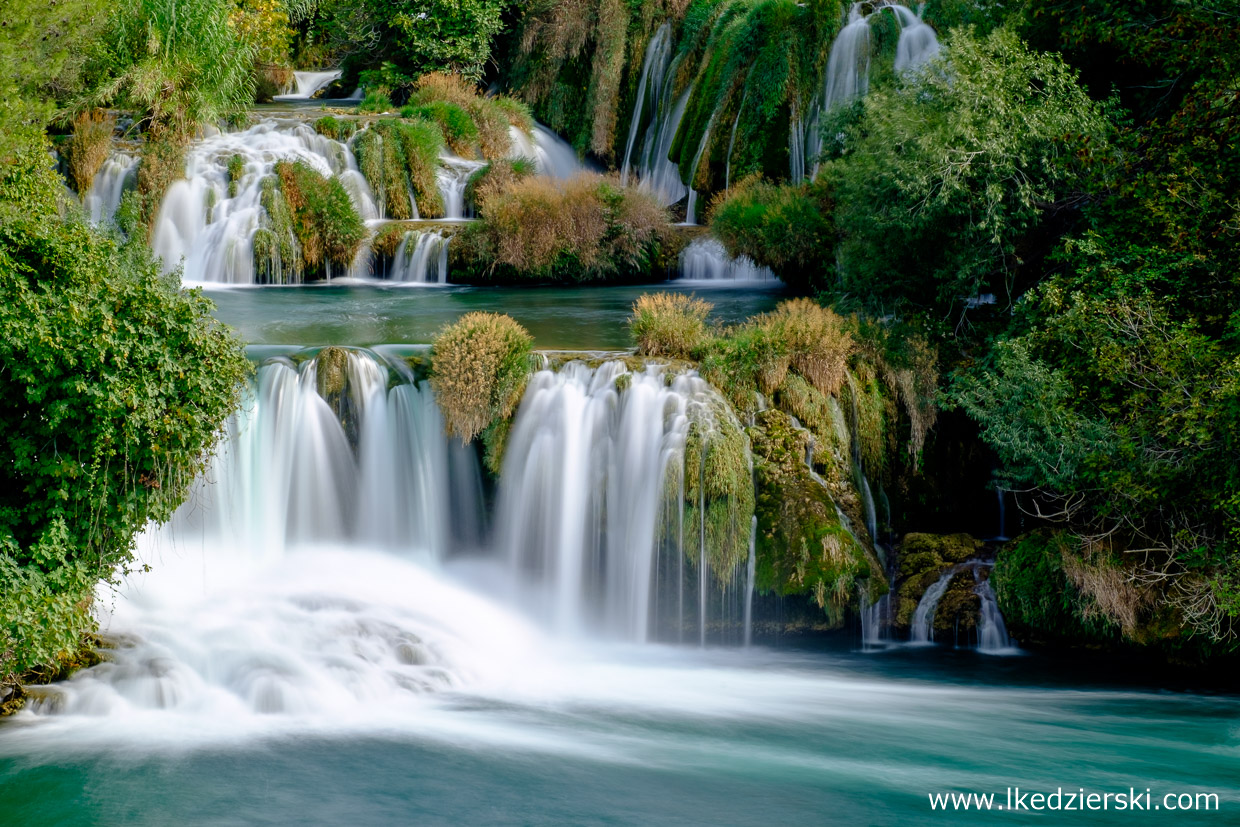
583 229
496 177
88 147
490 118
748 358
669 324
338 129
817 340
459 131
479 366
376 102
116 382
400 156
785 228
328 228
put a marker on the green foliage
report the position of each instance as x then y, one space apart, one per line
950 170
669 324
87 148
338 129
718 491
236 170
399 159
583 229
414 38
497 177
784 228
1035 595
328 228
802 548
448 95
458 128
376 102
179 63
479 367
116 383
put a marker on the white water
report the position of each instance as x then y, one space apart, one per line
656 95
421 258
452 177
992 633
551 154
705 259
582 492
922 627
307 84
104 196
211 231
918 42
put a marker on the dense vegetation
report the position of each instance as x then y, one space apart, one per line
115 381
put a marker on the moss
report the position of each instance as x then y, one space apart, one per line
802 546
479 367
399 158
459 130
718 490
277 253
921 560
388 239
746 359
331 372
13 692
328 228
338 129
236 170
494 444
162 163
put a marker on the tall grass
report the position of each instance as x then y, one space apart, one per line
479 366
669 324
88 147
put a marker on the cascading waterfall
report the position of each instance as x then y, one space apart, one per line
652 169
584 491
551 154
751 569
453 176
211 227
421 258
650 86
847 76
705 259
307 84
992 633
922 626
918 42
104 196
691 204
736 122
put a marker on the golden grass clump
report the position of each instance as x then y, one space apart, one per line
1111 591
479 366
88 147
818 342
669 324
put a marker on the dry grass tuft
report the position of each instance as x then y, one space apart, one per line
818 342
88 147
479 366
669 324
1111 591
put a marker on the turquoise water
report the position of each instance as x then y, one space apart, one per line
558 317
663 736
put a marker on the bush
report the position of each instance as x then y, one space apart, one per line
747 359
320 214
400 156
338 129
497 177
459 131
817 340
376 102
479 366
491 116
115 385
785 228
669 324
88 147
583 229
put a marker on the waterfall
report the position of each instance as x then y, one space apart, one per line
705 259
727 163
357 462
1002 536
421 258
104 196
922 626
918 42
654 172
992 633
650 86
872 617
551 154
307 84
584 487
452 177
691 205
210 226
751 569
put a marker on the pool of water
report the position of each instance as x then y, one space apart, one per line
573 318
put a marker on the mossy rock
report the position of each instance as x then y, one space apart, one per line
802 546
956 618
921 560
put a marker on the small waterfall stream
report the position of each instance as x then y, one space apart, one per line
705 259
922 627
307 84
